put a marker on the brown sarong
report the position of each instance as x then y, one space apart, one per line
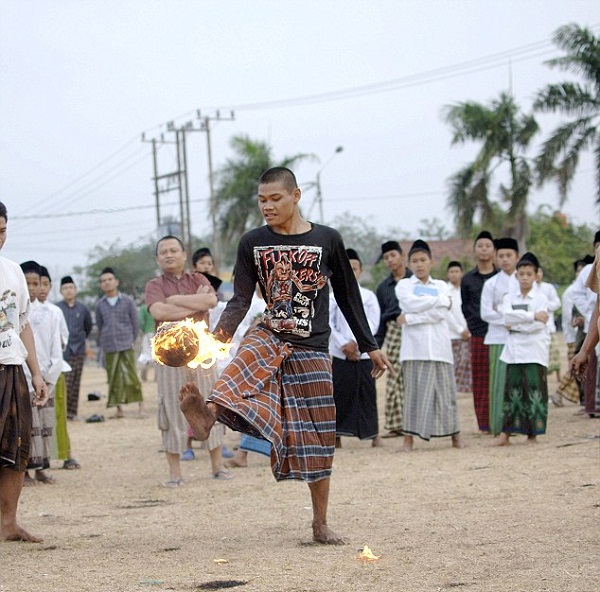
15 418
282 394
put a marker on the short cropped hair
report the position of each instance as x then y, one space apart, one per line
168 237
455 264
279 175
3 212
108 270
200 253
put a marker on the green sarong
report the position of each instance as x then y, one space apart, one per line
525 399
124 386
61 439
497 381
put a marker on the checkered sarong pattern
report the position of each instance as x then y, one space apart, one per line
394 385
461 352
480 373
73 380
282 394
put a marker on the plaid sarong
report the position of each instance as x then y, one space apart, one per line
430 409
42 430
525 399
461 353
568 386
480 373
282 394
15 418
124 386
73 379
590 385
394 385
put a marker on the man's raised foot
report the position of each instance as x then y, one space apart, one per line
197 413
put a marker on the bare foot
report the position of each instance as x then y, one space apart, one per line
29 481
42 477
408 444
238 461
323 535
501 440
531 440
198 415
457 442
17 533
377 441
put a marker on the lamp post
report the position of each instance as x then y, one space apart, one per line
319 198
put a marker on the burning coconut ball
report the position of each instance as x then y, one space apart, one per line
175 344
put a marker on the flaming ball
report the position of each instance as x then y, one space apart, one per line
175 344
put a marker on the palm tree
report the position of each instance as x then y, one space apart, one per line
504 134
560 153
237 210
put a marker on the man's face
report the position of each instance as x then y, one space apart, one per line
2 232
454 275
356 268
507 260
45 287
68 292
170 256
527 276
109 284
33 285
421 264
277 203
393 260
484 249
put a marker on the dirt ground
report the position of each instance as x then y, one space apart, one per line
522 518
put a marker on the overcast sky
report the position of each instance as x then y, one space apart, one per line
81 80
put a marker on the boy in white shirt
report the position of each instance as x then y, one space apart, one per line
494 290
459 332
354 388
430 409
526 353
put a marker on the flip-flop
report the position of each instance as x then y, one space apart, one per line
223 475
173 483
71 464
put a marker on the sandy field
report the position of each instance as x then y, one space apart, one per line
522 518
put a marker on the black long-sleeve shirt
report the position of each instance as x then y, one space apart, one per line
471 286
388 303
294 273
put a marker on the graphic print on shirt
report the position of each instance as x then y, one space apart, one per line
292 277
9 318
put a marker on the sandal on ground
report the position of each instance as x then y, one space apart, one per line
557 401
71 464
188 454
173 483
393 434
44 478
223 475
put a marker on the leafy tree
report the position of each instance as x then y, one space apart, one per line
557 244
237 211
433 229
133 264
504 134
580 102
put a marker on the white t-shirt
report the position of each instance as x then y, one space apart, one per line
14 312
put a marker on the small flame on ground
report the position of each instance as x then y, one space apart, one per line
367 555
210 349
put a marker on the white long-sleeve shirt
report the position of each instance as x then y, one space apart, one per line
549 291
528 340
492 296
425 335
583 297
569 332
341 334
456 320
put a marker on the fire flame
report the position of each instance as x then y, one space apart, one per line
187 342
367 555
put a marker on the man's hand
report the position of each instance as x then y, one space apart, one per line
578 365
41 390
542 316
380 364
401 319
351 351
465 335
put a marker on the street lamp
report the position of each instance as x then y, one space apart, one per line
319 198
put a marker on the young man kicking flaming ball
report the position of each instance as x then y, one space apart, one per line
278 386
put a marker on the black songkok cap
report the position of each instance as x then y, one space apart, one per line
528 259
199 253
67 280
484 234
597 237
588 259
506 243
44 272
390 246
31 267
352 254
419 245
